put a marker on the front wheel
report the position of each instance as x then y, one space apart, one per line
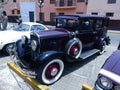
102 48
6 49
50 71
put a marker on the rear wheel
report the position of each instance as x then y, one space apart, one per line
50 71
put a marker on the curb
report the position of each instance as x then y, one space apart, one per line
30 81
86 87
112 31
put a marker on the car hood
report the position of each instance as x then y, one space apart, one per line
53 33
113 63
111 68
10 34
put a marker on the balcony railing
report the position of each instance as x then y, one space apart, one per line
65 4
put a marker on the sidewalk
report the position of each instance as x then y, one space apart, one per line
114 31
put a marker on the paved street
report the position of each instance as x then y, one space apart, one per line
75 74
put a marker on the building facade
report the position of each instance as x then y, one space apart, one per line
51 8
46 12
12 9
108 8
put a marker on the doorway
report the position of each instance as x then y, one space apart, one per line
31 16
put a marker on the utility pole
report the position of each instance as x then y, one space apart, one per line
40 4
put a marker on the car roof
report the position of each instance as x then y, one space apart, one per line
77 16
32 23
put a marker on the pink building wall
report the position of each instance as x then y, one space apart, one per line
46 9
13 6
51 8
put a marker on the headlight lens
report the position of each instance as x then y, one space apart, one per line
34 45
107 84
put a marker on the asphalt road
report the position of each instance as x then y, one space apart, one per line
75 74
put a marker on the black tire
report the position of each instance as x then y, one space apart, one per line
102 48
74 47
6 49
49 72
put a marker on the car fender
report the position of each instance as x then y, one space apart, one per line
11 38
48 54
100 41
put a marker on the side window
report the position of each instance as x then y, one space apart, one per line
37 27
33 27
40 27
87 24
73 24
99 23
61 23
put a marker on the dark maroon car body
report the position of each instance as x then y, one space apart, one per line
75 38
110 73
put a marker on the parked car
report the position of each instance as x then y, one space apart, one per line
109 75
8 37
75 38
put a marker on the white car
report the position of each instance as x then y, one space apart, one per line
8 37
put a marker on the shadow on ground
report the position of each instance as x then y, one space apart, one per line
70 67
2 54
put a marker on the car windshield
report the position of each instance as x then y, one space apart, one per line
22 27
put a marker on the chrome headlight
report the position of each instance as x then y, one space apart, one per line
105 83
24 39
34 45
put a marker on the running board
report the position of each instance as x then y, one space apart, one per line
89 53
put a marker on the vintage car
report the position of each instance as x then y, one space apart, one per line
8 37
109 75
75 38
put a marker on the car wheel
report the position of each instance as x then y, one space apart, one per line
50 71
74 47
6 50
102 48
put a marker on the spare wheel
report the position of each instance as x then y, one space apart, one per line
74 47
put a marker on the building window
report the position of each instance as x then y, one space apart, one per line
79 12
111 1
13 11
109 14
52 1
61 13
52 17
94 13
70 2
18 11
80 0
14 0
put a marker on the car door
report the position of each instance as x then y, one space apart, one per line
87 35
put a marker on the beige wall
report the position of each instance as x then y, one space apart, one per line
102 7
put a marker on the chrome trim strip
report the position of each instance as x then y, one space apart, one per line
110 75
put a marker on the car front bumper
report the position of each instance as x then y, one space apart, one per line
97 87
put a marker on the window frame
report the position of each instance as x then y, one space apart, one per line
109 14
52 1
111 1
